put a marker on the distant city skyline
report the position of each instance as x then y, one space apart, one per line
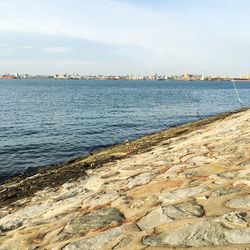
121 37
163 77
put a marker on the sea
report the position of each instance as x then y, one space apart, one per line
45 122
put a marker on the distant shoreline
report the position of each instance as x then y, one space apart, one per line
145 80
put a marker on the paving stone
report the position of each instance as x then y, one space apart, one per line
96 219
233 220
7 223
139 180
225 191
199 235
239 202
228 175
178 195
184 210
95 242
166 214
100 199
153 219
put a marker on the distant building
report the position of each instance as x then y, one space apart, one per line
7 76
61 76
246 76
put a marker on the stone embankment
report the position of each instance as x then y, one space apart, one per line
184 187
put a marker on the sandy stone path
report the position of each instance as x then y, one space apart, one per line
189 190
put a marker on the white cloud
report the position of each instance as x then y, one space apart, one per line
175 34
26 47
7 50
55 66
101 20
57 50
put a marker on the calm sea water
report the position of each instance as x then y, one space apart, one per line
49 121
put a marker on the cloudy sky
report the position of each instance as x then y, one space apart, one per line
125 36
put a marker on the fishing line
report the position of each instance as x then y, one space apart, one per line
237 94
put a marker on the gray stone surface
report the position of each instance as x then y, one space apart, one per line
8 224
233 220
225 191
139 180
184 210
178 195
165 214
123 243
198 235
153 219
35 210
95 242
240 202
17 219
228 175
95 220
67 196
100 199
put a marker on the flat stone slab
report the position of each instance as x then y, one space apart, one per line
139 180
240 202
225 191
100 199
164 214
97 219
95 242
153 219
8 224
233 220
178 195
184 210
199 235
17 219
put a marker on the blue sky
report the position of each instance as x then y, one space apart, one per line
125 37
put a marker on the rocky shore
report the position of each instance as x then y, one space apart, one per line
188 186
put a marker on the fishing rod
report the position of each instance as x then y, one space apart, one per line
188 97
237 94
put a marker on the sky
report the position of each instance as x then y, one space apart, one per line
208 37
